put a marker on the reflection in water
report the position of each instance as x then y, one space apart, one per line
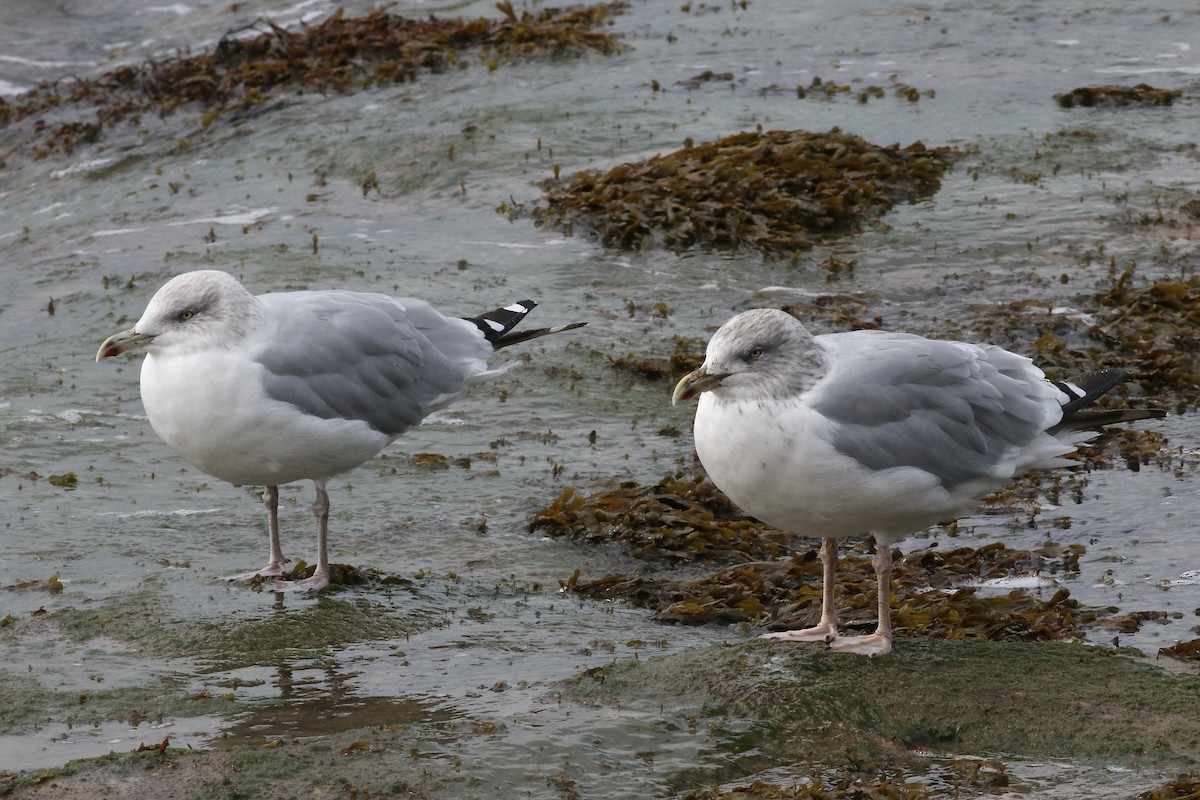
309 695
312 706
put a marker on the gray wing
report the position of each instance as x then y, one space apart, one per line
368 357
952 409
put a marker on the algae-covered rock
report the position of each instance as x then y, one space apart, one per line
798 703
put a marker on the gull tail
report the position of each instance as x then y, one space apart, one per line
1084 390
497 326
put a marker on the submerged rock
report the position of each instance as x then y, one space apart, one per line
852 727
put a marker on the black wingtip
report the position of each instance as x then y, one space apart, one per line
524 336
1085 390
497 325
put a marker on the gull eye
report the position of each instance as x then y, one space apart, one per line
755 353
186 315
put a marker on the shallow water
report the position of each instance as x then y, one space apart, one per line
481 607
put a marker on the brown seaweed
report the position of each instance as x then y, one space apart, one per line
252 67
683 517
775 577
1109 96
775 192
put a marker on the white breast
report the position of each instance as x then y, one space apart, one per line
775 461
214 413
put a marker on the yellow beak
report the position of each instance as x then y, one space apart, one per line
120 342
694 383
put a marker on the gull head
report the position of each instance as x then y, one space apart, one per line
191 311
759 354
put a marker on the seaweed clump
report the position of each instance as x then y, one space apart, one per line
681 518
776 192
786 594
1185 651
1117 96
847 787
339 54
829 89
856 777
775 577
1182 787
1151 329
1157 332
686 355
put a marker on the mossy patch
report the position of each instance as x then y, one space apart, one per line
26 704
379 761
775 192
955 698
145 623
241 772
232 642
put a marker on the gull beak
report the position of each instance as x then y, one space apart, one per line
696 382
120 342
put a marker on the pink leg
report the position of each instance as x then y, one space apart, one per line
825 629
320 578
880 642
274 567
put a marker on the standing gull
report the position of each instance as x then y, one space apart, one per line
869 431
282 387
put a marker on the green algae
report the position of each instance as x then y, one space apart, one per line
364 762
861 727
951 698
141 620
120 765
239 773
26 704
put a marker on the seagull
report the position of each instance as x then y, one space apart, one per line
875 432
270 389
